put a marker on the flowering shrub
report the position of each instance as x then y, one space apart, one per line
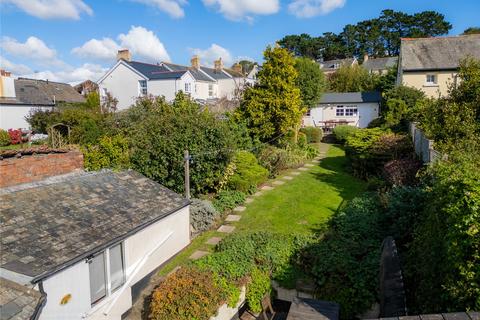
401 172
15 136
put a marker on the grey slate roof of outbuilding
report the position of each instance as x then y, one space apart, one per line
50 225
18 302
375 64
155 72
42 93
351 97
440 53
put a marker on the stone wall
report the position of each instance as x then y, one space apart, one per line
38 166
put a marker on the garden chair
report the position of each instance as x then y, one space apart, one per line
267 308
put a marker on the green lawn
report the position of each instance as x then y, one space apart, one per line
300 205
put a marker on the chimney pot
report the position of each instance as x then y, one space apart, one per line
218 65
195 62
237 67
124 54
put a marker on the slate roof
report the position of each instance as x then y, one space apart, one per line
440 53
155 72
351 97
42 93
18 302
47 226
376 64
197 74
329 65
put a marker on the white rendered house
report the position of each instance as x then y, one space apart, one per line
128 80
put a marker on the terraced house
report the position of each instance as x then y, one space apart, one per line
127 80
431 64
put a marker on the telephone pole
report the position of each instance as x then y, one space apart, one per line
186 159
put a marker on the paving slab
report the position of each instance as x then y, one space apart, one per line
295 173
226 229
287 178
239 209
303 169
316 161
249 200
233 218
198 254
309 165
258 194
213 241
278 182
266 188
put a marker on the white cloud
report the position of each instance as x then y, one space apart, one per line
16 69
52 9
173 8
312 8
70 74
104 49
244 9
33 48
144 43
209 55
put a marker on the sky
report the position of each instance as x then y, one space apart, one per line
75 40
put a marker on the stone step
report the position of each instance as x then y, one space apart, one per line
309 165
303 169
258 194
278 182
295 173
266 188
213 241
198 254
239 209
226 229
249 200
287 178
233 218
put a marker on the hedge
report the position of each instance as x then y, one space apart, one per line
314 135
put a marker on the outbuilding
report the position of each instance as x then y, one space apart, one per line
350 108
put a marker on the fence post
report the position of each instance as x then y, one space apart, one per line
187 174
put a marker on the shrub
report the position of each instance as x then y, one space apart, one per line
257 288
314 135
248 173
110 152
277 159
343 132
401 172
187 294
228 199
302 139
345 263
39 119
4 138
15 136
202 215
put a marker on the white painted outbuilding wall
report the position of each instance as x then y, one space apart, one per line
13 116
173 230
327 112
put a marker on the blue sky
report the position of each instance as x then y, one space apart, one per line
70 40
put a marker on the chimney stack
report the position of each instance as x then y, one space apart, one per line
218 65
195 62
7 84
124 54
237 67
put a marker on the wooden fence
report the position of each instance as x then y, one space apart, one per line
423 146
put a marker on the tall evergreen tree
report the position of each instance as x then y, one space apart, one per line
273 106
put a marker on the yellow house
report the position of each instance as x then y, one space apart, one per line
431 64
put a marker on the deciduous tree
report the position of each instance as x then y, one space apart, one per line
311 81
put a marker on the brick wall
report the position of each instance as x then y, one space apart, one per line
35 167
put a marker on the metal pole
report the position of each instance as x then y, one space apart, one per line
187 174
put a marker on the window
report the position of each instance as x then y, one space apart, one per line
107 273
98 288
340 111
210 90
188 87
351 112
431 79
142 84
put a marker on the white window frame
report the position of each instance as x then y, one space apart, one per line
108 285
188 87
210 89
428 79
351 111
340 108
142 90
